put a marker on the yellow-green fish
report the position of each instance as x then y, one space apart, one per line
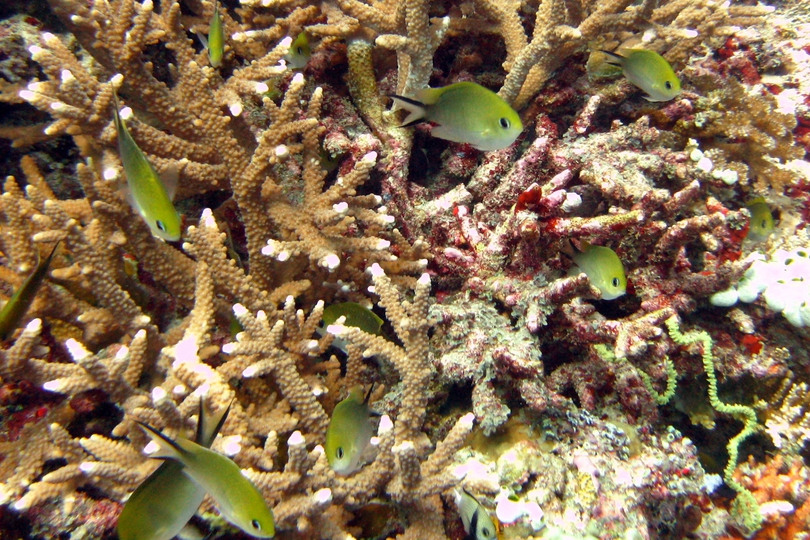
16 307
761 225
168 498
476 520
235 496
216 38
465 112
146 190
300 51
349 432
649 71
603 268
356 316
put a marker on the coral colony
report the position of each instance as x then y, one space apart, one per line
511 380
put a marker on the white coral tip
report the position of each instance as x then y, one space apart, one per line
34 327
287 41
323 496
341 207
57 385
228 348
239 310
117 79
87 466
386 425
376 270
77 350
231 445
383 244
235 109
336 329
371 157
151 448
424 279
298 79
296 439
186 350
467 421
158 394
250 371
330 261
262 88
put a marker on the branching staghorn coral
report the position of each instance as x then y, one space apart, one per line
563 28
742 130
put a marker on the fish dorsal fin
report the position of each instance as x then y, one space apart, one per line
429 96
416 110
167 448
208 426
615 59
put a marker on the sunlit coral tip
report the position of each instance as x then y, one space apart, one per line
323 496
296 439
376 270
158 394
77 350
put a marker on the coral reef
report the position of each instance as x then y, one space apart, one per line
499 367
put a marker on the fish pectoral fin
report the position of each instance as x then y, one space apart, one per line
203 39
171 175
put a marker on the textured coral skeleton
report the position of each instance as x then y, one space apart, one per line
499 369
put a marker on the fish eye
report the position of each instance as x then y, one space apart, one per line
159 224
256 524
668 84
764 224
485 532
299 50
339 452
505 123
615 282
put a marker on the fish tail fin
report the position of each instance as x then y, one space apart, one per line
416 109
615 59
167 448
